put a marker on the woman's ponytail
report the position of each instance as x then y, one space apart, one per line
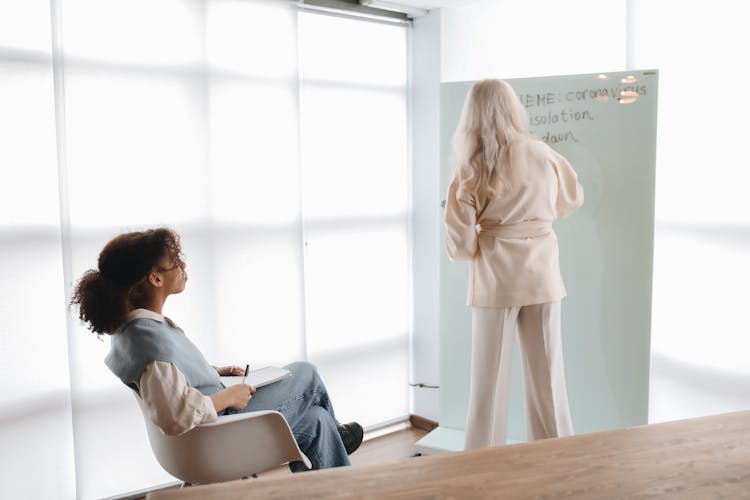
102 303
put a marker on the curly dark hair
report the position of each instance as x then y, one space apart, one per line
105 295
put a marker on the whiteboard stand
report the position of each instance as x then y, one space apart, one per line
440 440
444 439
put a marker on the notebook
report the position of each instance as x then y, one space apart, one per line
260 377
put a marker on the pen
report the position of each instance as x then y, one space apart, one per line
247 369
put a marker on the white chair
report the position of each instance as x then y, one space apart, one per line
234 447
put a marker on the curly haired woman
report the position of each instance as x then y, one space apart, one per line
149 353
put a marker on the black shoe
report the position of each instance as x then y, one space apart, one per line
351 434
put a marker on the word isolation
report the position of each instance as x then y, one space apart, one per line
563 116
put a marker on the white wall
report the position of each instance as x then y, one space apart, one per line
514 38
425 104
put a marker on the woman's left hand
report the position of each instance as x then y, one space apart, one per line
227 371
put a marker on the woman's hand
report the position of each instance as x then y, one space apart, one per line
239 395
235 396
228 371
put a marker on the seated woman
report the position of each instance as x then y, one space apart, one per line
124 298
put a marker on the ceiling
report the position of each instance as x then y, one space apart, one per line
435 4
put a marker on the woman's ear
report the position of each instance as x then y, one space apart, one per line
155 279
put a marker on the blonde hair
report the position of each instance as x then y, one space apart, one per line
493 118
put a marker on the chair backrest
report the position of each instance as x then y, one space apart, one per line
235 446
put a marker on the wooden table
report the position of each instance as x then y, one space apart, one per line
700 458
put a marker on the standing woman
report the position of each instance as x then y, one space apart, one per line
506 190
149 353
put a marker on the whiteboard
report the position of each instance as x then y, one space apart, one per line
605 124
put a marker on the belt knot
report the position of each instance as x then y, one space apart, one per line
523 229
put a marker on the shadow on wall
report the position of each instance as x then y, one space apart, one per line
736 236
684 390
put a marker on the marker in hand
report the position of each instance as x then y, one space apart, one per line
247 369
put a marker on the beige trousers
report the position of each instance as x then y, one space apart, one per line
493 331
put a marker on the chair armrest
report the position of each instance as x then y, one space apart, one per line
229 419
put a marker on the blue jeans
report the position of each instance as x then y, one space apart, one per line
303 400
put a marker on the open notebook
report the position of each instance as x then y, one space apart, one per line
260 377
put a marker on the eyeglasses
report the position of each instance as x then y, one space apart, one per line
177 265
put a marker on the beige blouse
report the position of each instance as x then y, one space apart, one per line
171 404
509 238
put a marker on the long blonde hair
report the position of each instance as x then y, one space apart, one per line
493 118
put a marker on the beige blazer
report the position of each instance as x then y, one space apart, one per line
509 238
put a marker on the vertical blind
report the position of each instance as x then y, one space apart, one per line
246 126
354 186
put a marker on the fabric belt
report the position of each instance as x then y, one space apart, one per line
524 229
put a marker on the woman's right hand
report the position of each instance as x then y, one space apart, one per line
239 395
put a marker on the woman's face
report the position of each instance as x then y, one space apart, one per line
174 274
